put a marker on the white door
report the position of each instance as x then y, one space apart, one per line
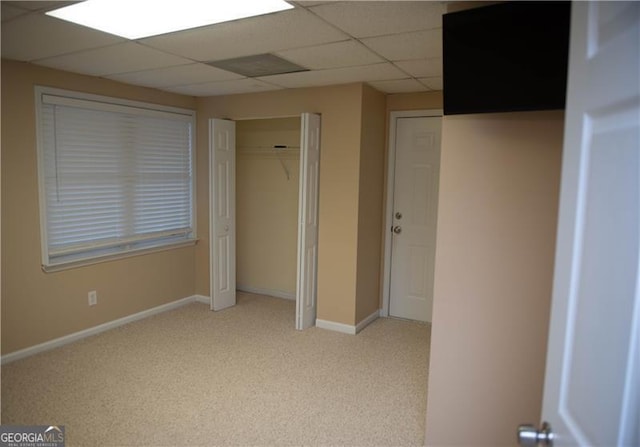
306 285
592 385
222 213
414 216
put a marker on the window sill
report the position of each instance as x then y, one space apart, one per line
116 257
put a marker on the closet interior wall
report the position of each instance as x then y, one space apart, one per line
267 183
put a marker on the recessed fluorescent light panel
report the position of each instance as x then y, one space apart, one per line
135 19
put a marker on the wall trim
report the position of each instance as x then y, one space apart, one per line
367 321
336 327
347 328
65 340
202 299
391 168
269 292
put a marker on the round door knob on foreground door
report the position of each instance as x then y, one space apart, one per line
397 229
529 436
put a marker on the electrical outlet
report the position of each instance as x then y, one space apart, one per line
93 298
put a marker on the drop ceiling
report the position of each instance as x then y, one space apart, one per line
395 46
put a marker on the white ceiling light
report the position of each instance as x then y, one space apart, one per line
135 19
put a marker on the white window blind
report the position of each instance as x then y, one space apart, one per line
114 178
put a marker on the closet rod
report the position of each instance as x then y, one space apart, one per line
275 147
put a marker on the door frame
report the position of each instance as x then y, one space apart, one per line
389 193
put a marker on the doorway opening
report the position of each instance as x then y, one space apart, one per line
269 211
267 186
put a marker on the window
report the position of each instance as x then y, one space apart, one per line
116 177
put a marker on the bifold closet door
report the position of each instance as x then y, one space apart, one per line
306 288
222 213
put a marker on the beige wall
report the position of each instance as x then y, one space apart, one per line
267 205
341 108
38 306
497 215
414 101
370 207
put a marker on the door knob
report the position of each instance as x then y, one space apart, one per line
528 436
398 215
397 229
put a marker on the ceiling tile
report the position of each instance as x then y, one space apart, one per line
172 76
37 36
11 12
264 34
246 85
422 68
377 18
332 55
400 47
398 86
121 58
432 83
376 72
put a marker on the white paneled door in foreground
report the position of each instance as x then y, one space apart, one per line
222 205
592 383
412 215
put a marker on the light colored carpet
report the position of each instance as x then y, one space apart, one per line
243 376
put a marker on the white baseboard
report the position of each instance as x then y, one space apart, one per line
336 327
269 292
58 342
367 321
202 299
347 328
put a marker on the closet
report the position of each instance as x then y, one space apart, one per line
267 189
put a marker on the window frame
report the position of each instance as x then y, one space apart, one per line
105 103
